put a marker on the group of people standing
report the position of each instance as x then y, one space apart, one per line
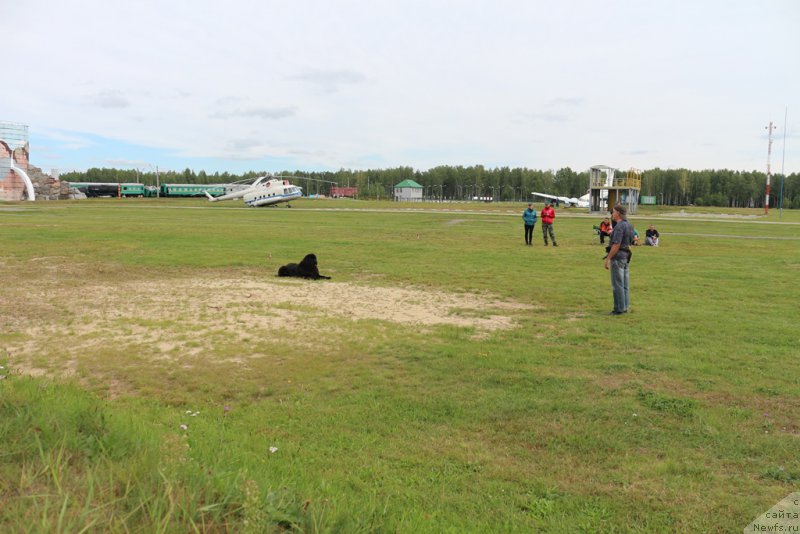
621 236
548 216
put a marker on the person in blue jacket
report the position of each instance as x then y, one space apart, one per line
529 217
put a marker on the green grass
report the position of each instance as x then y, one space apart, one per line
678 417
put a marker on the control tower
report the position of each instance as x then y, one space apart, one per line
609 187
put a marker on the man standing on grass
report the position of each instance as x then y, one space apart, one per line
618 259
548 214
529 217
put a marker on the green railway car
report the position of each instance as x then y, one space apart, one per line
191 190
109 189
131 190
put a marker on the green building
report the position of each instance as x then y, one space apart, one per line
409 191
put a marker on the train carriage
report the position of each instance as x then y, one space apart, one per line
109 189
191 190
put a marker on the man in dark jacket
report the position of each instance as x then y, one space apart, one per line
618 257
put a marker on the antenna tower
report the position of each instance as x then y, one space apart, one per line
769 171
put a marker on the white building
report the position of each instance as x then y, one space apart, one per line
408 190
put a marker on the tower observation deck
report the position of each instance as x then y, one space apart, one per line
609 186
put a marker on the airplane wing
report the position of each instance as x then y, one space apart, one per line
582 202
551 197
559 200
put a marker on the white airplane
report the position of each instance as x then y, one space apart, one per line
264 191
570 202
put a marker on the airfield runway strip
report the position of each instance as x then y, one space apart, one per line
750 219
720 218
734 236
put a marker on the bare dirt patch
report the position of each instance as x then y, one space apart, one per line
186 321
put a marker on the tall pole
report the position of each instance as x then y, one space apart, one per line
783 160
769 171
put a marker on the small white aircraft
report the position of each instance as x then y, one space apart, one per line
570 202
264 191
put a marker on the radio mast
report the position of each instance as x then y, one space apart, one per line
769 171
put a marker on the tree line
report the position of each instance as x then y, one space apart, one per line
669 186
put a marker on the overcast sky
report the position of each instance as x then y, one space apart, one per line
321 85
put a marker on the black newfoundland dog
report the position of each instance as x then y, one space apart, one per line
305 269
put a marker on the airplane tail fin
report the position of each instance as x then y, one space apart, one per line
212 199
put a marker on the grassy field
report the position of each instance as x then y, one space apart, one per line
158 377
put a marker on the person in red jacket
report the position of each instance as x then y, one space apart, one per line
548 214
605 230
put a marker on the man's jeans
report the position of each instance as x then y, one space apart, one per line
619 284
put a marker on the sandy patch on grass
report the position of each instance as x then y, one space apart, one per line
398 305
190 321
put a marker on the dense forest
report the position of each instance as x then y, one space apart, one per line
670 187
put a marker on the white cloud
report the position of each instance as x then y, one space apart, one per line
259 113
330 80
108 99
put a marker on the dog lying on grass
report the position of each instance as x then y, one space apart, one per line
305 269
